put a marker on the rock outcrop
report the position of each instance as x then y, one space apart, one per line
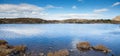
101 48
117 18
83 46
7 50
3 42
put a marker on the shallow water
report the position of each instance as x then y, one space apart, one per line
50 37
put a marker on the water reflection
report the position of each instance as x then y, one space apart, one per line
61 36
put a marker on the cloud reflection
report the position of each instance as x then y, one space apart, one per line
23 31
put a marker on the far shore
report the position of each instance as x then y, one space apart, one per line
42 21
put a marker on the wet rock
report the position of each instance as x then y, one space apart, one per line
3 42
7 50
20 49
101 48
64 52
50 54
3 46
59 53
41 54
83 46
3 54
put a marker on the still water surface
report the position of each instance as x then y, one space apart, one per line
51 37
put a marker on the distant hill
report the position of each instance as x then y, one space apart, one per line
42 21
117 18
22 20
87 21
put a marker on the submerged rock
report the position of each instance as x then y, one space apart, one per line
59 53
64 52
20 48
83 46
101 48
50 54
41 54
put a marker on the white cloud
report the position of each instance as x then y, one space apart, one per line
19 7
51 6
20 10
23 10
72 16
28 10
74 7
116 4
100 10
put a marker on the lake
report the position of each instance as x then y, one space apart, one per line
51 37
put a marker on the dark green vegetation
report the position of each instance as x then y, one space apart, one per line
40 21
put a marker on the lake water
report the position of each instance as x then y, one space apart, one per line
51 37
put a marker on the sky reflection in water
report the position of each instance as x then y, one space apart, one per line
49 37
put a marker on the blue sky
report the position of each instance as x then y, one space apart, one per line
60 9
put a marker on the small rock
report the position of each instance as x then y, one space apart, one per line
83 46
50 54
63 52
41 54
101 48
20 48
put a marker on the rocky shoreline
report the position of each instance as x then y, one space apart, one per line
8 50
21 50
